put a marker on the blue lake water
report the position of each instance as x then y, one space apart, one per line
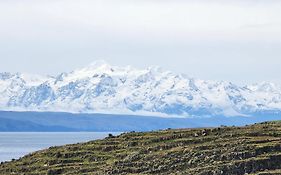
14 145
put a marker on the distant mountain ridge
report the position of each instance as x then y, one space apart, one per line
65 122
102 88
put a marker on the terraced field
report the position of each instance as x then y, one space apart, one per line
254 149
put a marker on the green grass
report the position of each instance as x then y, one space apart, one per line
254 149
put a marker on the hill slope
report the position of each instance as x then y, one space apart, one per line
10 125
254 149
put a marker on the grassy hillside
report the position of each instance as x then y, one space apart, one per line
254 149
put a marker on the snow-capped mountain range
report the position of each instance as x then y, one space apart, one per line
102 88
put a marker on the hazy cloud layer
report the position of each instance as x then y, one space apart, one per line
237 41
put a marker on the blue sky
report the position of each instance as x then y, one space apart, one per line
237 41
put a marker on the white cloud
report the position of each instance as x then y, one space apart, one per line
142 18
242 37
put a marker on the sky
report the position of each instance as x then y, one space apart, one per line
238 41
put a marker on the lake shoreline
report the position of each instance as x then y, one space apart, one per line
14 145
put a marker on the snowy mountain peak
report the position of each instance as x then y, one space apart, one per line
266 87
99 65
5 75
103 88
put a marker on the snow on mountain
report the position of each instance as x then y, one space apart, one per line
102 88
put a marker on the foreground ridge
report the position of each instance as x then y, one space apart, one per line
254 149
